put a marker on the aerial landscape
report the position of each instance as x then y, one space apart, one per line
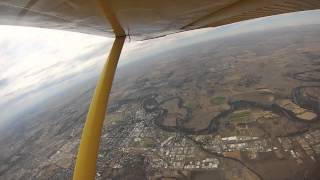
217 111
237 107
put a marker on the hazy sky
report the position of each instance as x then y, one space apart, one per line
36 63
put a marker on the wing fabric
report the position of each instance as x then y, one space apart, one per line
142 19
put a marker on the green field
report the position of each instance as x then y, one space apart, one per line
217 100
240 116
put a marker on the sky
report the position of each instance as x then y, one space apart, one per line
37 63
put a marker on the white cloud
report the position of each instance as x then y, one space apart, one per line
32 59
32 56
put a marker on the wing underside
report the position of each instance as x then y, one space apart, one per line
142 19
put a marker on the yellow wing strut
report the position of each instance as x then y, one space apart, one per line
85 168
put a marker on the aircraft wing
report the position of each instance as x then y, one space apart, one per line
142 19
